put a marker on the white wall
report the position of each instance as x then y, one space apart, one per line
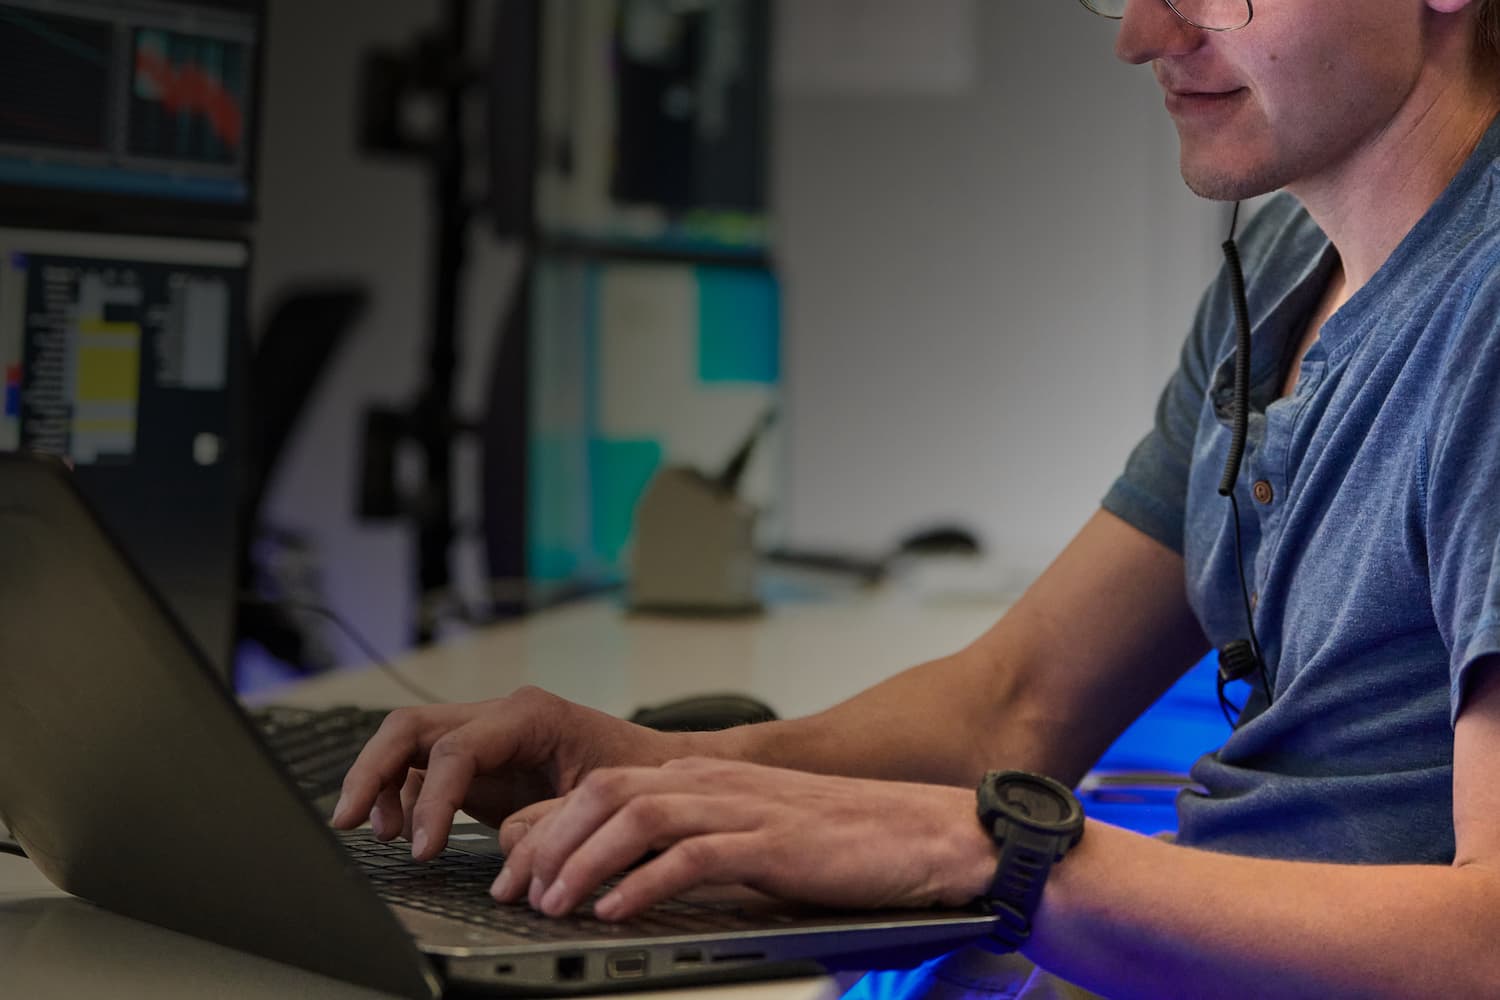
984 292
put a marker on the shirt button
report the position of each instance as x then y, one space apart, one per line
1263 492
1254 600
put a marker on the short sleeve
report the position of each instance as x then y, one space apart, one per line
1463 491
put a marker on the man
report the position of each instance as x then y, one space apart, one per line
1349 839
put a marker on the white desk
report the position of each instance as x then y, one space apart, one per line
799 658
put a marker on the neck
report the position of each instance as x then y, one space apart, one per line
1372 199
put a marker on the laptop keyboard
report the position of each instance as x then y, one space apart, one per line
317 745
456 885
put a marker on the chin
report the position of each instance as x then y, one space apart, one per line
1219 183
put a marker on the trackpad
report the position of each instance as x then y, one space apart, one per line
475 838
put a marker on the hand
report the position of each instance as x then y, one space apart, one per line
488 758
805 837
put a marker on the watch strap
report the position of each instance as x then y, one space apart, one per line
1025 859
1025 856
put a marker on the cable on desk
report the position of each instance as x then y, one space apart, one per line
384 665
11 847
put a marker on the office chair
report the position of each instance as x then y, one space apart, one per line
305 330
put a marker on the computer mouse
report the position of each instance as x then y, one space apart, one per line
704 712
942 539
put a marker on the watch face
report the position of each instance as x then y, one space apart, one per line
1036 802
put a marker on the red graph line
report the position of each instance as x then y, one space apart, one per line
192 90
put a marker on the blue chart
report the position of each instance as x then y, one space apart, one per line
188 97
53 72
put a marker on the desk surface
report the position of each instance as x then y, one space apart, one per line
799 659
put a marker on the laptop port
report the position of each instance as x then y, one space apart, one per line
687 957
570 968
504 969
740 956
625 965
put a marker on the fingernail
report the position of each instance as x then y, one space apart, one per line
418 841
338 810
377 821
552 902
608 907
534 894
501 888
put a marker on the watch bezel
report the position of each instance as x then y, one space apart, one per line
992 807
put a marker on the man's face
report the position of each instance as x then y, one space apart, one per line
1287 99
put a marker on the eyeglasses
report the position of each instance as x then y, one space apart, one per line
1210 15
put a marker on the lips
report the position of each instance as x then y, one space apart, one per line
1198 102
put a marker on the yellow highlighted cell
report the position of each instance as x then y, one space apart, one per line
102 328
108 375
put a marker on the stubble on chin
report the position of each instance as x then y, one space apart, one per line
1229 181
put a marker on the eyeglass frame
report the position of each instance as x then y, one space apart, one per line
1249 15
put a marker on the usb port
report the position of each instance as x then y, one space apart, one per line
625 965
687 957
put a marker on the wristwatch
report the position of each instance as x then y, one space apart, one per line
1034 821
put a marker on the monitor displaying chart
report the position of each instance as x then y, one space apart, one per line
128 101
126 354
90 332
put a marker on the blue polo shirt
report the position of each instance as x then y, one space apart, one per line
1370 518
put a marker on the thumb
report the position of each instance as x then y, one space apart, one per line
519 822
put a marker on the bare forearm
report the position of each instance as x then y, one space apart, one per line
941 722
1102 633
1130 916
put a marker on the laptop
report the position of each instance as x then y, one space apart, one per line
134 780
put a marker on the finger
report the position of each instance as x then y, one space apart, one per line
519 822
644 823
596 798
514 878
409 792
385 815
400 742
583 810
714 859
518 877
453 761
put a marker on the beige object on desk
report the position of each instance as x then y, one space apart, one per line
694 548
799 658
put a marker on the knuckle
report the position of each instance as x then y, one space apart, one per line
698 853
400 722
519 847
606 784
530 697
647 813
450 745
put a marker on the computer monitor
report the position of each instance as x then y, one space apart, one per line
651 125
634 366
125 354
116 109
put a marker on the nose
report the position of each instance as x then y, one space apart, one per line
1151 30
